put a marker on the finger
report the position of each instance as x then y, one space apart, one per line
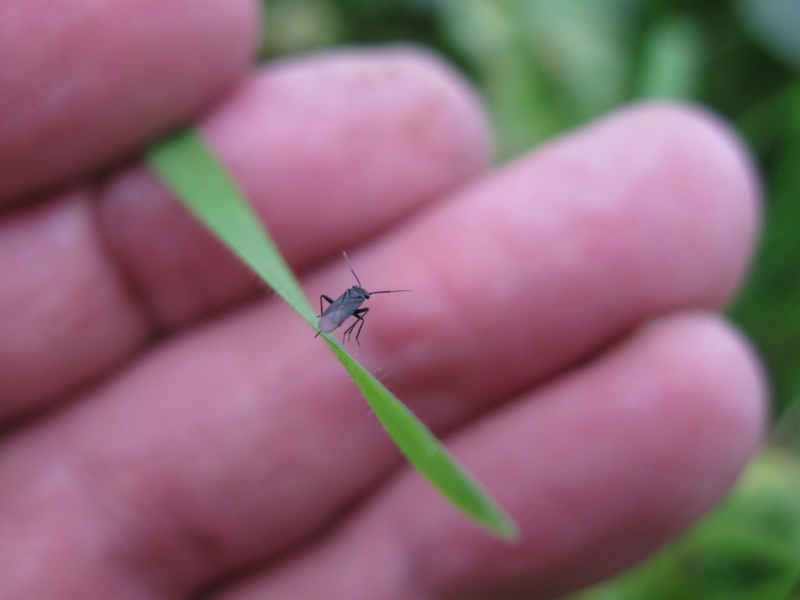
83 309
176 433
599 469
87 84
65 313
329 149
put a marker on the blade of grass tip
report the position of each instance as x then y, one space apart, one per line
190 169
426 453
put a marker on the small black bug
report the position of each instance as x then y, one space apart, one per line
346 305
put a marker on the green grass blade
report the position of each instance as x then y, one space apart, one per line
425 452
189 168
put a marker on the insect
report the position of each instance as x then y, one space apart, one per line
346 305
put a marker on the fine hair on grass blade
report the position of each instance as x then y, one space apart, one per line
189 168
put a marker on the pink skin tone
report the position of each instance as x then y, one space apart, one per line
170 429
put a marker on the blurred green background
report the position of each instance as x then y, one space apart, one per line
543 66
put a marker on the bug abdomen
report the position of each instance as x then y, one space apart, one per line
341 308
331 320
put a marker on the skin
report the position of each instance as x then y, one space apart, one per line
172 431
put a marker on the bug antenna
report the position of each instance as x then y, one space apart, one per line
351 269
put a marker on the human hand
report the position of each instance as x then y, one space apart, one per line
171 431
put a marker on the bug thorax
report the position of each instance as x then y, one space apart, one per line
357 290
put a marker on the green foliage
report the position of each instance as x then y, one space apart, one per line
769 306
188 167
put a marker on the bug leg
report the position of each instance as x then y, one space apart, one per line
328 298
359 315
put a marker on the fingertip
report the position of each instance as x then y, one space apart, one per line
87 84
386 111
678 181
704 167
719 384
699 137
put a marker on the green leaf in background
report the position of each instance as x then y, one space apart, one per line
189 168
774 23
670 63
